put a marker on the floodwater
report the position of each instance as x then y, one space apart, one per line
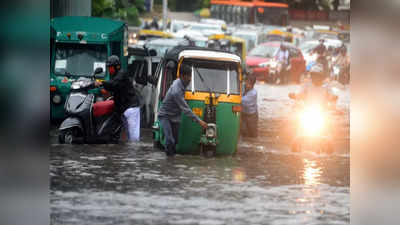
264 183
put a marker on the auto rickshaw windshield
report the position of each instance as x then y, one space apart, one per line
213 76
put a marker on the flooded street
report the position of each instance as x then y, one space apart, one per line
264 183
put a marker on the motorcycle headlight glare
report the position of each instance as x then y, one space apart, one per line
56 99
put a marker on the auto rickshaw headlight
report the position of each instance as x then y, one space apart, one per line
211 131
56 99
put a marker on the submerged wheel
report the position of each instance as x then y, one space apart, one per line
66 137
208 151
157 145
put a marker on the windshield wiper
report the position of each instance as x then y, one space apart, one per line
202 79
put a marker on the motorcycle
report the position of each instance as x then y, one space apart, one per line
87 121
312 124
279 72
340 73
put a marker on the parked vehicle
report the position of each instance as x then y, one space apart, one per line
89 120
214 94
142 63
78 45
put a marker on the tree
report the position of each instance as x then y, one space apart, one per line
126 10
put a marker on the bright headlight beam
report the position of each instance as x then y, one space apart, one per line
312 120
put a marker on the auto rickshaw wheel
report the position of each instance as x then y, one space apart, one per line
157 145
208 151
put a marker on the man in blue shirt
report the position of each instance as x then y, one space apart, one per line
172 107
249 115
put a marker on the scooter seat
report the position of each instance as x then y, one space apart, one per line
103 108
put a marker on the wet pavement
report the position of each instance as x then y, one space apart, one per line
264 183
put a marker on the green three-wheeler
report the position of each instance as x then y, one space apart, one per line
214 94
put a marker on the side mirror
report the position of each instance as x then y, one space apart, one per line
152 52
98 70
292 96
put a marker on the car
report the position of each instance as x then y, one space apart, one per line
161 45
252 37
261 59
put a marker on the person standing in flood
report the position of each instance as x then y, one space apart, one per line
249 115
172 107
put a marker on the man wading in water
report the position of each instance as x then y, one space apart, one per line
173 105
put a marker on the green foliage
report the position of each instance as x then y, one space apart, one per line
100 7
205 4
126 10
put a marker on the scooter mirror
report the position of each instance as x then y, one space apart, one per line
98 70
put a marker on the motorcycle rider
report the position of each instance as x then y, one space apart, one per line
125 97
321 51
316 91
342 59
282 56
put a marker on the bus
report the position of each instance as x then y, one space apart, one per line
271 12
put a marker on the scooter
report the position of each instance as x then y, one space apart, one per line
279 73
88 122
312 125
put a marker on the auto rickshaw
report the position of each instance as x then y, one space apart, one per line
148 34
278 35
230 43
214 94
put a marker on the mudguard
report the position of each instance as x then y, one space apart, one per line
110 126
71 122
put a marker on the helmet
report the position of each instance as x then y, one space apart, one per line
113 61
322 40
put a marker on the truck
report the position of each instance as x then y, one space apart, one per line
79 45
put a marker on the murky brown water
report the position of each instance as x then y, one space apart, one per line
264 183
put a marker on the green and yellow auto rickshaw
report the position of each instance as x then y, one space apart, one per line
214 94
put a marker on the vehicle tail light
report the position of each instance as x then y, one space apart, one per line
53 89
236 108
103 91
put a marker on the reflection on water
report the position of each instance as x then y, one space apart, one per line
312 173
239 175
264 183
